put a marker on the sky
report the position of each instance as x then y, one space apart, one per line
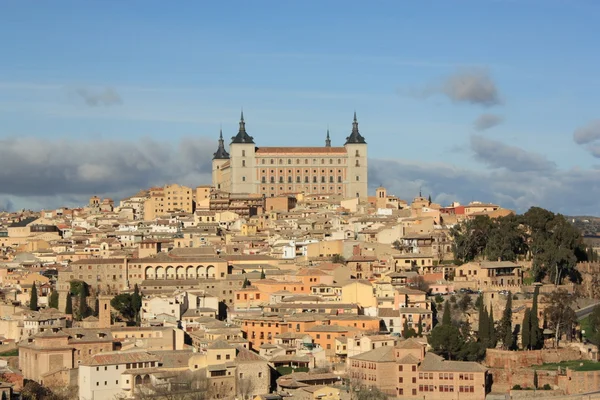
495 101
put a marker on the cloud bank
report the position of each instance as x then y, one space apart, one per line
487 121
94 98
36 174
471 86
589 136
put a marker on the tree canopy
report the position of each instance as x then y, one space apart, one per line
552 243
123 303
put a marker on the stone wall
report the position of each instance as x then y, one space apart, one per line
495 358
504 380
575 382
590 279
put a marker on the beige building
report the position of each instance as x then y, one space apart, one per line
407 371
169 198
275 171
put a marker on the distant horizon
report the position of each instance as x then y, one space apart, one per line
477 100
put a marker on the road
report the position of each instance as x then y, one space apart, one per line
585 311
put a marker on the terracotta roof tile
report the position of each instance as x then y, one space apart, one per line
301 150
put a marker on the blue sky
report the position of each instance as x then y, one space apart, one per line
84 74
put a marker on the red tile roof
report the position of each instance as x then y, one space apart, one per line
301 150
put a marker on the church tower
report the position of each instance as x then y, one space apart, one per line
328 139
242 160
220 157
356 149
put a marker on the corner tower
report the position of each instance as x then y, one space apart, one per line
356 149
220 159
242 161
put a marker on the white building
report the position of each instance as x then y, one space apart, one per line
103 377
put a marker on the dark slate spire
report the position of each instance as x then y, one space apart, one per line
355 137
328 139
242 136
221 153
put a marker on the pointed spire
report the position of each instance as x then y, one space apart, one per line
355 137
242 136
328 139
221 153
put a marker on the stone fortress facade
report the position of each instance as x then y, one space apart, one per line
277 171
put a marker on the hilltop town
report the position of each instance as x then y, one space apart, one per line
286 278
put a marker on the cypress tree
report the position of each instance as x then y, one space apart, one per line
536 340
53 301
69 306
447 317
526 330
33 300
262 274
535 379
4 396
506 325
493 338
83 306
483 331
136 301
420 328
405 329
246 283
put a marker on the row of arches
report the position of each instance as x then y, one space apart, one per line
180 272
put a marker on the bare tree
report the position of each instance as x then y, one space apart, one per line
191 385
245 387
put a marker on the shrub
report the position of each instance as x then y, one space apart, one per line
517 387
547 387
453 299
439 298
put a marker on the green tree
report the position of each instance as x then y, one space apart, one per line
78 286
594 329
262 274
407 332
446 341
505 331
4 396
536 340
338 259
560 314
447 316
484 325
136 303
555 245
492 338
470 238
69 306
33 299
83 305
123 303
526 330
535 379
465 302
506 240
479 301
246 283
472 351
53 300
420 327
